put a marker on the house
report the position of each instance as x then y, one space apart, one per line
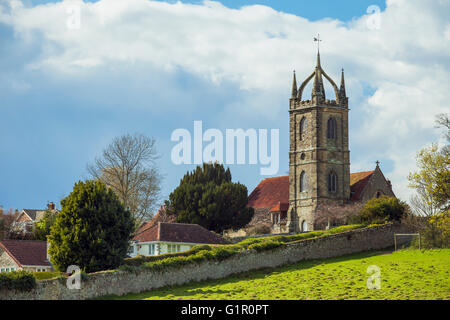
166 237
27 218
24 255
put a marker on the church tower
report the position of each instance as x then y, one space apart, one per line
319 156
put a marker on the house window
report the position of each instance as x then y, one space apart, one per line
173 248
151 249
331 128
303 182
332 182
303 127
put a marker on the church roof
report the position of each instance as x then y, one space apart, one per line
280 206
273 193
358 182
270 192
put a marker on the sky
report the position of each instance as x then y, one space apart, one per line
68 86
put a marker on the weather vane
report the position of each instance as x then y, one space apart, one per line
318 41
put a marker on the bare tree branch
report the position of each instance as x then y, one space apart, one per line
128 167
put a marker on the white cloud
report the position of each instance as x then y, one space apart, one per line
406 60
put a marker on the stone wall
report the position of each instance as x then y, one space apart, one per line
120 282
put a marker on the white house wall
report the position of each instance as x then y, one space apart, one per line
160 248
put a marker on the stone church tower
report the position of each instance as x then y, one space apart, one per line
319 156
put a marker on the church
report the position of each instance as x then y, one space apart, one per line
319 162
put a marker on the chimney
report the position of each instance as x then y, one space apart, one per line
51 206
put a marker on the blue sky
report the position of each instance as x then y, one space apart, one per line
64 94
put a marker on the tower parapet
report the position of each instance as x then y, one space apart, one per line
318 92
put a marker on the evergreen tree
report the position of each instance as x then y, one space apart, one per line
92 230
208 197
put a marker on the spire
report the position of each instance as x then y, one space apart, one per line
342 89
294 87
318 91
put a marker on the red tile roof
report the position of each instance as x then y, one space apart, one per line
270 192
26 252
358 182
280 206
160 216
179 232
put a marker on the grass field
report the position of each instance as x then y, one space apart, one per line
406 274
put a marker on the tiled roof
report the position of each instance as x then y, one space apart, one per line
179 232
27 252
160 216
280 206
36 215
358 182
32 213
270 192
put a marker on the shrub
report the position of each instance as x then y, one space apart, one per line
17 280
139 260
264 246
46 275
383 209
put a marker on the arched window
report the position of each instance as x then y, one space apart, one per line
332 182
304 226
303 127
331 128
303 182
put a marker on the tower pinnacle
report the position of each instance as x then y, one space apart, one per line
342 88
294 87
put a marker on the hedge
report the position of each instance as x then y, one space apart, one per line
17 280
202 253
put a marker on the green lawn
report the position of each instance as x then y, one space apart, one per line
406 274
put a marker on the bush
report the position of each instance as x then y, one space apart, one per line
139 260
383 209
17 280
46 275
264 246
